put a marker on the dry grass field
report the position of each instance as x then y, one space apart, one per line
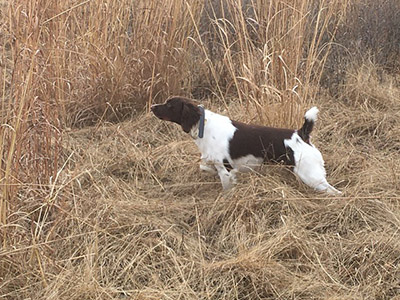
101 200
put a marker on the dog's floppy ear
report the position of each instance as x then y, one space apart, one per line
190 116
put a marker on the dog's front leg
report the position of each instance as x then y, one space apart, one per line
207 166
228 179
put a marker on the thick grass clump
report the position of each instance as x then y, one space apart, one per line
100 200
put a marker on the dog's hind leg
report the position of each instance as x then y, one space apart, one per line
311 170
313 174
309 165
321 185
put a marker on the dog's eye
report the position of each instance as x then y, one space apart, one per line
169 105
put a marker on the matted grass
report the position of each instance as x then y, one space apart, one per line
101 200
141 222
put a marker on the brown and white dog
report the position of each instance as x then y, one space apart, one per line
229 146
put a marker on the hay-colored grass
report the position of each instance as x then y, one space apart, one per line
141 222
101 200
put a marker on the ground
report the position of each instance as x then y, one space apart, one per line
152 226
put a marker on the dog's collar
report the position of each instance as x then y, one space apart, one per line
201 122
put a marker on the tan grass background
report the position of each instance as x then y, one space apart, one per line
100 200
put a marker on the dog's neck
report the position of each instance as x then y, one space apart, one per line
194 132
197 130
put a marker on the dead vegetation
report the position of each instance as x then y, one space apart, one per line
100 200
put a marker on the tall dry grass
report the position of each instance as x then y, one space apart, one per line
73 63
120 211
271 54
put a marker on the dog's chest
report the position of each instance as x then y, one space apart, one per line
218 131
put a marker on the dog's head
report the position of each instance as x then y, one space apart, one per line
178 110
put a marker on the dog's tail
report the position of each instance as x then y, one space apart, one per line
309 119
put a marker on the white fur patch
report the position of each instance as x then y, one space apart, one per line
312 114
218 131
247 163
309 164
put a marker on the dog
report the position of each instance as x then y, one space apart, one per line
229 146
